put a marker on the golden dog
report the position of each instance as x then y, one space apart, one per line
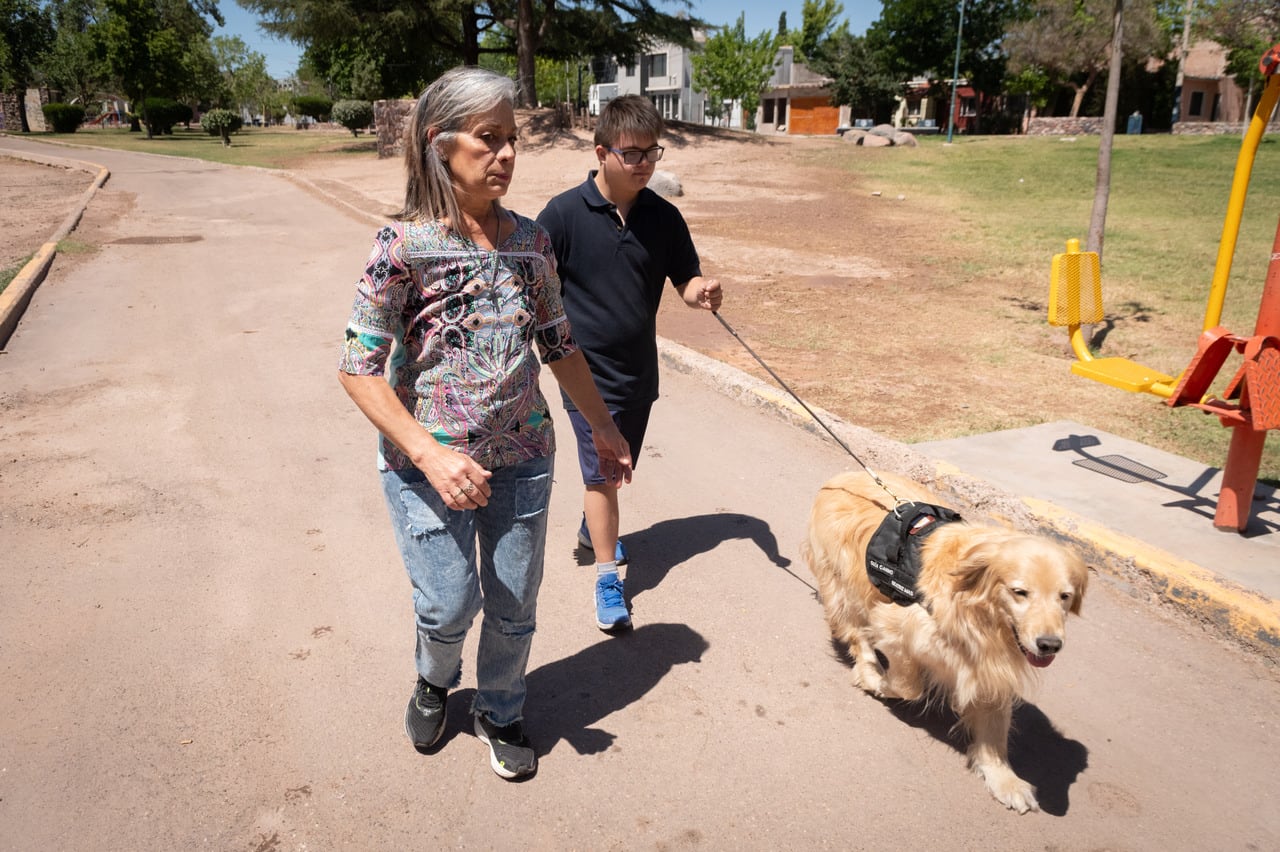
993 608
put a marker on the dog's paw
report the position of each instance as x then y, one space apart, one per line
1012 792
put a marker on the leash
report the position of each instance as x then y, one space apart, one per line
898 501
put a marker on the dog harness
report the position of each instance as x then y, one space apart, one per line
893 555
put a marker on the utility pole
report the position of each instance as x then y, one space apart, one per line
955 75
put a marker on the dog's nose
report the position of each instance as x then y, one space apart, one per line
1047 645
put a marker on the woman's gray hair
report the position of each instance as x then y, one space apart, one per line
447 105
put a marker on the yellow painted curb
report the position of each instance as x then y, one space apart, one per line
16 297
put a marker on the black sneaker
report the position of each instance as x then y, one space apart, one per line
424 717
510 754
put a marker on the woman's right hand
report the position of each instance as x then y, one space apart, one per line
613 452
459 480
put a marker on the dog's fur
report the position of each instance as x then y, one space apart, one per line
995 605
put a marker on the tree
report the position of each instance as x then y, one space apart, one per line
818 24
353 115
918 38
222 123
732 67
147 44
861 77
412 43
243 72
26 36
1070 41
75 64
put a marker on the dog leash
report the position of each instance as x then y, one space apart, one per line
898 501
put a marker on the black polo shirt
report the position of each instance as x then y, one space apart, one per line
613 278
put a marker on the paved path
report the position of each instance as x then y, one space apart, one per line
206 637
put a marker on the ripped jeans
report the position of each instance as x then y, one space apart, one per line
439 549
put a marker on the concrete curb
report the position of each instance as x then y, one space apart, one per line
16 297
1230 612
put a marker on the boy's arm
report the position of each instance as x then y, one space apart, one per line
699 292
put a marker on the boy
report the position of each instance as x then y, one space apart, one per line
616 243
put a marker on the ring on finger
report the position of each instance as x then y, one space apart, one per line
469 487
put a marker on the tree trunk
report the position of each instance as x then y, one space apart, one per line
526 46
470 37
1102 189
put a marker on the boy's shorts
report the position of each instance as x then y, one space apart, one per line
631 423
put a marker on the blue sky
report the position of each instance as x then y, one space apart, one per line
282 56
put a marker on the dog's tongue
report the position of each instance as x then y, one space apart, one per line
1039 662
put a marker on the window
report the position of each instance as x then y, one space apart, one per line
1197 103
657 65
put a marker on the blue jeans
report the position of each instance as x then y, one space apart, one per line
439 549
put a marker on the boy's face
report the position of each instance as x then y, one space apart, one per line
621 177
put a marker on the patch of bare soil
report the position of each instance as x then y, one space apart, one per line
37 200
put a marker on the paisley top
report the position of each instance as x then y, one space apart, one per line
452 326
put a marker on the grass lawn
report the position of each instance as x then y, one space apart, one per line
267 147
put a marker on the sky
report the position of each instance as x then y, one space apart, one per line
282 56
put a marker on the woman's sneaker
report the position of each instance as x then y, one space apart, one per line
424 717
510 754
584 540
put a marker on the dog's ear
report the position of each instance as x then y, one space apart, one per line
973 569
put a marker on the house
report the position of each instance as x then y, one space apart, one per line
1208 94
798 100
664 74
919 108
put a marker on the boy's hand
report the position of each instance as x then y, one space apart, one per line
708 294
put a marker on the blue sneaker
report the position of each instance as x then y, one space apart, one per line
584 540
611 607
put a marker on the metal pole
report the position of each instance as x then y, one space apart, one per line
955 75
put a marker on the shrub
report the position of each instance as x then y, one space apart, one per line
64 118
221 122
315 106
353 115
161 114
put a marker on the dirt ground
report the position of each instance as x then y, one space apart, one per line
858 298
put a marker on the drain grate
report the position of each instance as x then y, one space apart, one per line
1121 468
156 241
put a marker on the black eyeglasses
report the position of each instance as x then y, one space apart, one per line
634 157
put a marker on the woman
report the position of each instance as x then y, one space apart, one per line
439 355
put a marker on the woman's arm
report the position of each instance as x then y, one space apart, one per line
449 472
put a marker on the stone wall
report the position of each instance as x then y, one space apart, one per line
1058 126
389 121
10 118
11 110
1216 128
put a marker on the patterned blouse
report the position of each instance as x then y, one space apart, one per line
452 326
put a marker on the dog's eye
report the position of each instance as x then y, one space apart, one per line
1065 596
1022 593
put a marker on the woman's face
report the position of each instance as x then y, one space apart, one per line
482 156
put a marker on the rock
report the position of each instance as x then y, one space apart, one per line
875 140
906 140
666 184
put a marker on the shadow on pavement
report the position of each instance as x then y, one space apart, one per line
666 544
569 696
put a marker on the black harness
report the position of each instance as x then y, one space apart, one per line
893 555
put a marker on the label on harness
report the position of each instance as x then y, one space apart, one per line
893 554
